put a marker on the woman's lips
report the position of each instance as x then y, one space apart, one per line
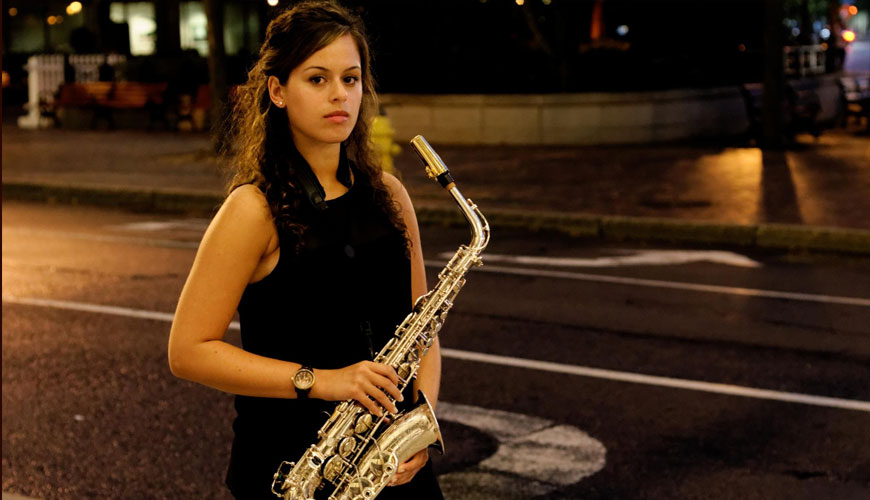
338 116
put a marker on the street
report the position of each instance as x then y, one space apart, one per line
572 369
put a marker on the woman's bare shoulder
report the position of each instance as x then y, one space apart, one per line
248 201
394 185
246 213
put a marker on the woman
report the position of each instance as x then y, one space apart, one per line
316 247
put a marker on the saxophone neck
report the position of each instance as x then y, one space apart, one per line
476 221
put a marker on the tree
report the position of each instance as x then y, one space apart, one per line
214 11
772 126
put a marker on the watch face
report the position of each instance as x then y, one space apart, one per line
303 379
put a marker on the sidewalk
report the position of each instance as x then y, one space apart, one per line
815 197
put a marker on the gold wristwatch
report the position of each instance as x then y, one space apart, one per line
303 380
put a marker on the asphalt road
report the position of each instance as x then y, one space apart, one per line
577 371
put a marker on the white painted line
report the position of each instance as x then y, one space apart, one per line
631 258
127 240
541 273
96 308
677 383
14 496
695 287
636 378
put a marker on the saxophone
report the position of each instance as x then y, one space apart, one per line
357 453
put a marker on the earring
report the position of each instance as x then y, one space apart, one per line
280 104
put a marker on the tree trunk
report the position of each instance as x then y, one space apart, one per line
772 126
214 11
168 36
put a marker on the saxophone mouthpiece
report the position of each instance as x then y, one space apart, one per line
435 167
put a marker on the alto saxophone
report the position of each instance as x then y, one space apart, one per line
357 452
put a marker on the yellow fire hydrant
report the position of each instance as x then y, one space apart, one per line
382 138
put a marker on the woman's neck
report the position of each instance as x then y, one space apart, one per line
323 160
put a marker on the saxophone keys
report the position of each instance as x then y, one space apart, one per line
361 488
332 469
404 370
363 423
346 447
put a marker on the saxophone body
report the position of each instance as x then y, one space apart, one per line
357 453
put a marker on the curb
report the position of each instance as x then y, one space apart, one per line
140 200
789 237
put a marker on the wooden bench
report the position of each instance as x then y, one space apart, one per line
103 98
854 98
800 108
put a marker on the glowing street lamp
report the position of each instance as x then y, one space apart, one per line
74 8
849 35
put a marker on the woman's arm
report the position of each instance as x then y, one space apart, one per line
239 237
429 374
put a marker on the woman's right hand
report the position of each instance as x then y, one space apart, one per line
366 382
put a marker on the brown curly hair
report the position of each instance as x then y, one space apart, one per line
259 137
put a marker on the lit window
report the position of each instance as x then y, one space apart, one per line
141 20
193 27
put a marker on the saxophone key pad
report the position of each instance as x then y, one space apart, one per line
363 423
346 447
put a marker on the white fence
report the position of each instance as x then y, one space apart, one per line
804 60
45 74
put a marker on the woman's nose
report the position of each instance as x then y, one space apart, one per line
339 93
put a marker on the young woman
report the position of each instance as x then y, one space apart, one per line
317 248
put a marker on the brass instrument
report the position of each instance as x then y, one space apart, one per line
357 452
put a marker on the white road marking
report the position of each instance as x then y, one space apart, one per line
583 371
199 225
677 383
633 258
695 287
534 457
107 238
540 273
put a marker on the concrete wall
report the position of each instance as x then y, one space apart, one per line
590 118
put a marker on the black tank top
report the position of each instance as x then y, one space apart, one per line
333 303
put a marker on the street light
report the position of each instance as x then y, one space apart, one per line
849 35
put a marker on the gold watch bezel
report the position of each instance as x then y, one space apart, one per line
300 383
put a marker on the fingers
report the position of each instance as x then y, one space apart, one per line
386 371
388 385
409 469
381 398
376 385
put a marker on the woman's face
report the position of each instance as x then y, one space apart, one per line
323 94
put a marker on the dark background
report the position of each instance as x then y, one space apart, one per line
497 46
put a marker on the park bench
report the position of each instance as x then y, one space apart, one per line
800 108
104 98
854 98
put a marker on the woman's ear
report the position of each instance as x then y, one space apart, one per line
276 91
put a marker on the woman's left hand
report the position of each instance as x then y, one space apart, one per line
408 469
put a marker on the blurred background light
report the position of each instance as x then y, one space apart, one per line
272 2
849 35
825 33
622 30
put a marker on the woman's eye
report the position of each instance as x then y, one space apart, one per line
351 79
316 79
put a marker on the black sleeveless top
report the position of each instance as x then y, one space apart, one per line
334 303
